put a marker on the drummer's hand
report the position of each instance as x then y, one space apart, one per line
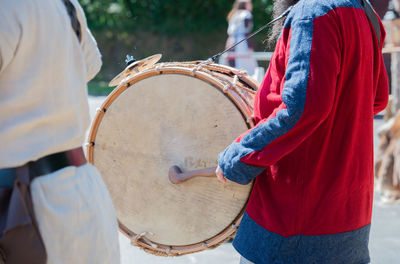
220 175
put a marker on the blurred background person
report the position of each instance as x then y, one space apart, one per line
240 26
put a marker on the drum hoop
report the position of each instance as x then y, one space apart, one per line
243 107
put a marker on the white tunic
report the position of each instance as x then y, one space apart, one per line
43 110
76 217
43 75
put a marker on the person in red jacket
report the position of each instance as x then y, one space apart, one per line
311 153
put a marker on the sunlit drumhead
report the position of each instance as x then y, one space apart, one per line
160 121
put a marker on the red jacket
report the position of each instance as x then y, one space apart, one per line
311 153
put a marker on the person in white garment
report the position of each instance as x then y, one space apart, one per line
45 64
240 26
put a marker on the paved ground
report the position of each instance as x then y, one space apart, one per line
384 241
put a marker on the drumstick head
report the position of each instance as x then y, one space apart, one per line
135 67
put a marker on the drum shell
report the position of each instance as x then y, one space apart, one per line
238 92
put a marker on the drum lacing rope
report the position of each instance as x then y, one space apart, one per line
89 144
249 119
240 73
227 86
235 80
99 109
159 66
135 239
168 250
197 68
216 56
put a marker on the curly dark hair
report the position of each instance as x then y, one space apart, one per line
279 7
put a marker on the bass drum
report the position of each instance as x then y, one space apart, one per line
180 114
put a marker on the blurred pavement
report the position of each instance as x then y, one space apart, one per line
384 240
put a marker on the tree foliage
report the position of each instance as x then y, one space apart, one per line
181 30
167 17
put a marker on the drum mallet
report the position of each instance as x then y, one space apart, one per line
176 175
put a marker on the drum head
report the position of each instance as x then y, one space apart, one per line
161 121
